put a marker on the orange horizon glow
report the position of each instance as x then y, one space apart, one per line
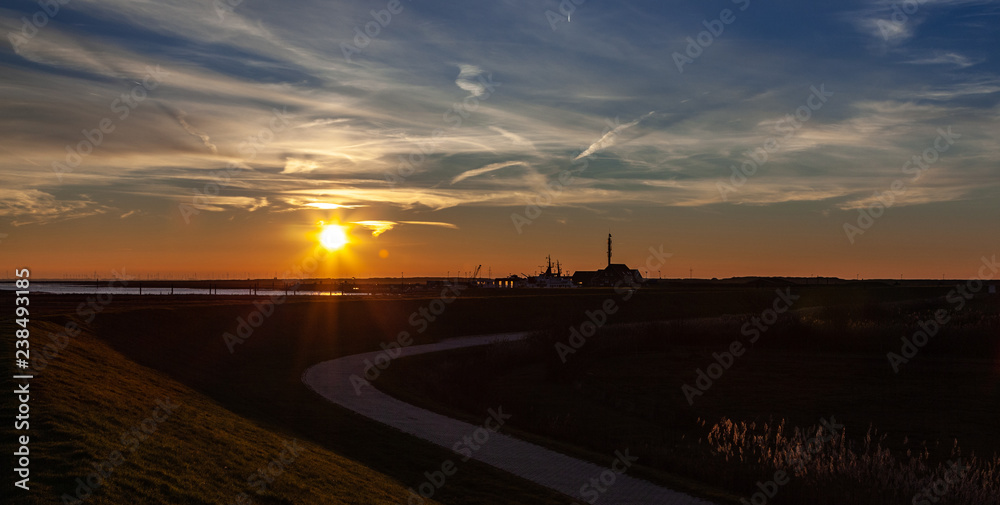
453 242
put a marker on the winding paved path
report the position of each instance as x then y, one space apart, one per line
567 475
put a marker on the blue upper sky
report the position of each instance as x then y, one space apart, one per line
491 103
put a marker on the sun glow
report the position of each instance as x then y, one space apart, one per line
333 237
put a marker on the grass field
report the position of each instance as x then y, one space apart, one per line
154 440
623 389
237 409
236 412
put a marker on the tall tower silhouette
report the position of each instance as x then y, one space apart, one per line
609 249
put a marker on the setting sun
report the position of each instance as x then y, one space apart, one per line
333 237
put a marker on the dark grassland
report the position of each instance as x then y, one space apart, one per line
621 390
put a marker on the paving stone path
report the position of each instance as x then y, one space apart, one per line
333 380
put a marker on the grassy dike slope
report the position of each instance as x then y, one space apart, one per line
238 408
199 453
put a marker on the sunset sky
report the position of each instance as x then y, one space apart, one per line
230 129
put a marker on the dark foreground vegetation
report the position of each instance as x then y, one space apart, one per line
242 401
924 434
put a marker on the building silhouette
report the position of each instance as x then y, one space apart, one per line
615 274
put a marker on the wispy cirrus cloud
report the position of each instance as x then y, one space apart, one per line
378 227
611 137
205 139
514 138
892 22
946 58
353 123
468 79
329 206
492 167
433 223
32 206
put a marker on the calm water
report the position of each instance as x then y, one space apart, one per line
104 288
